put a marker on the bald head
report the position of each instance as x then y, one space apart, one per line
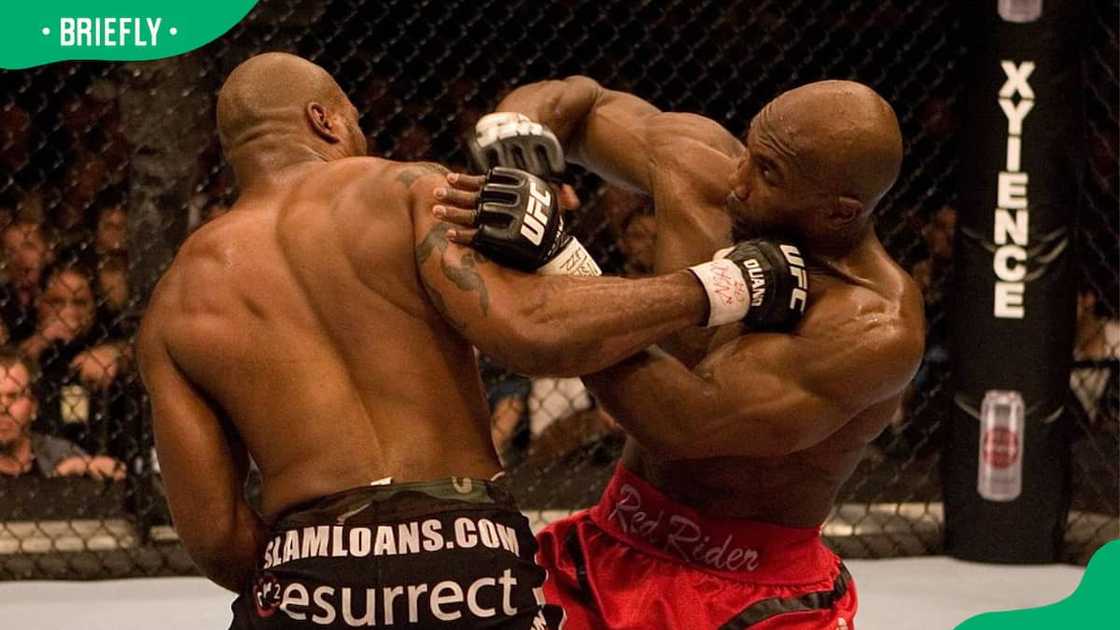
840 134
282 94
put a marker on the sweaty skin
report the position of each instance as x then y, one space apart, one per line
747 424
325 325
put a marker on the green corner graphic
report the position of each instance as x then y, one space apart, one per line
37 33
1092 605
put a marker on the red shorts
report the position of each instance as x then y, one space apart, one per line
641 561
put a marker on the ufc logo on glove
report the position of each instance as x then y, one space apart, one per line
536 216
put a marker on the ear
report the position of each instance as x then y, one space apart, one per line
844 211
321 123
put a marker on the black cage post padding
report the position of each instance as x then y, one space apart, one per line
1013 317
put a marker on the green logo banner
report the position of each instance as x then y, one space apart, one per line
44 31
1092 605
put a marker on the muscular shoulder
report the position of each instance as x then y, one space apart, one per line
880 337
401 180
198 281
402 175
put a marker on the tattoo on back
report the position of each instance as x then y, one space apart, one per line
415 171
464 275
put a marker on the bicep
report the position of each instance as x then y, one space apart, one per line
483 301
615 140
202 462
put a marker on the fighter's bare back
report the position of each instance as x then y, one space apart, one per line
301 315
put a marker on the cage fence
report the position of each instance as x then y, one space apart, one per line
105 168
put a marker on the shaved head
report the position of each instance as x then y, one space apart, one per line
288 101
819 159
841 134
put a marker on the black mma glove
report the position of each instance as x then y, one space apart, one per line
513 140
761 282
520 226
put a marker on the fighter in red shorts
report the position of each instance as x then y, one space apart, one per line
742 437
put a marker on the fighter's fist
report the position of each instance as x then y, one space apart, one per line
761 282
513 140
518 219
505 213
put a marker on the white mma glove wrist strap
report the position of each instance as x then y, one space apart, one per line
573 260
729 299
493 127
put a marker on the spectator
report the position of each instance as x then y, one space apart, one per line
938 118
111 234
92 123
110 248
932 272
26 255
112 294
508 419
570 434
618 204
507 396
637 243
23 451
85 180
15 135
30 207
80 367
65 324
1097 344
601 224
912 432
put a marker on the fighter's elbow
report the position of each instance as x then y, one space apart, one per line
583 84
227 555
212 560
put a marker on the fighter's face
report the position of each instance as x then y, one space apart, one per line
17 405
769 191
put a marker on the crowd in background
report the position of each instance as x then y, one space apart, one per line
67 316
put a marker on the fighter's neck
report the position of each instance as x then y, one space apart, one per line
269 164
855 264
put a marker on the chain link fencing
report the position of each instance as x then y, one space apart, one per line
105 168
1095 379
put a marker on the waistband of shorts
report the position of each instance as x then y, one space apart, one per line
391 501
640 515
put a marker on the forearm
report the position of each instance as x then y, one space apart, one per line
738 409
580 325
657 399
561 105
604 130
